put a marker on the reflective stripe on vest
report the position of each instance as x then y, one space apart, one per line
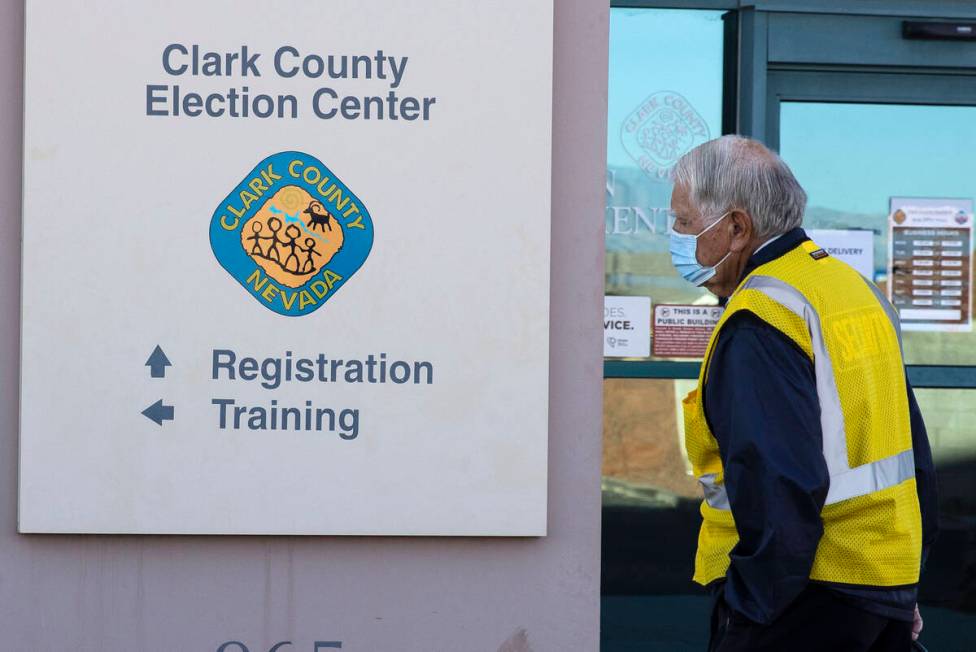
845 482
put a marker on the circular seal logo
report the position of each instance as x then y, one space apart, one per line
660 130
291 233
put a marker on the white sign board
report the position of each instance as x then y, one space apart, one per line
853 246
930 251
626 327
286 267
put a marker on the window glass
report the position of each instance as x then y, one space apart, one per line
644 461
852 159
665 97
651 519
648 488
949 416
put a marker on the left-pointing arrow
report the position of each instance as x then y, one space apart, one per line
158 412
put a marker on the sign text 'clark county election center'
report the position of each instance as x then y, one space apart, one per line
258 265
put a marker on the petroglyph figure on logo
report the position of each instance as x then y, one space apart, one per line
273 237
310 252
292 234
660 130
274 225
319 216
256 238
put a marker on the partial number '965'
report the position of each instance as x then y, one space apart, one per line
319 646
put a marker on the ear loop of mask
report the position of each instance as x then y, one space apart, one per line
709 227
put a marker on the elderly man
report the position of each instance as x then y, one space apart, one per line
804 432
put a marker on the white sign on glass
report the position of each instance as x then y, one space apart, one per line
853 246
626 327
930 249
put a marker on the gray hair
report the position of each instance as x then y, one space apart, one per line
733 172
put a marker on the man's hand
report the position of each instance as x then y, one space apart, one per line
916 624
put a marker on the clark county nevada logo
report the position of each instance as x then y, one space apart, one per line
291 233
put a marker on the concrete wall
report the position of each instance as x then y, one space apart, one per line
189 594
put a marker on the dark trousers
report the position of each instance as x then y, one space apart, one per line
818 621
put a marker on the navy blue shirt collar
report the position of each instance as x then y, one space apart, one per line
781 245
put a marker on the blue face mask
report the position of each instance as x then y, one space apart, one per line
684 256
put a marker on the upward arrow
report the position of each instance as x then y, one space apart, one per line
157 363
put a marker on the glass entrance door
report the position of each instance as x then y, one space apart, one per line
879 130
887 162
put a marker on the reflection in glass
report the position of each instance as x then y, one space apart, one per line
650 498
864 154
665 97
950 576
651 518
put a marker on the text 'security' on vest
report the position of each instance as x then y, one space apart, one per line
843 323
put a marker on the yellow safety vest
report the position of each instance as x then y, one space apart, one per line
872 523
